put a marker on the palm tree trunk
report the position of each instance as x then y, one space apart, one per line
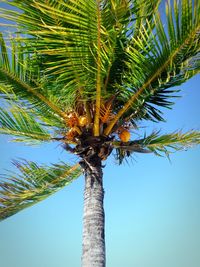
93 254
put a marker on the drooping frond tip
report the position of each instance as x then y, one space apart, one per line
32 184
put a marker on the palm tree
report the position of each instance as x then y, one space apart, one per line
86 73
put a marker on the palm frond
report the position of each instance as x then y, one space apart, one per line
70 32
11 84
121 21
158 144
20 122
33 184
18 79
165 60
79 42
117 16
174 142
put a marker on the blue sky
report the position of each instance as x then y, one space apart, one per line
152 206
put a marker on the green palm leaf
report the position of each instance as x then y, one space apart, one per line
21 123
69 31
33 184
20 78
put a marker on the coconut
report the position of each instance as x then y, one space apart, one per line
125 136
82 121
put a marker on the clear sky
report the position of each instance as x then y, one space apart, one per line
152 206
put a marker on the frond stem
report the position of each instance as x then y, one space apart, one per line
98 85
68 172
87 110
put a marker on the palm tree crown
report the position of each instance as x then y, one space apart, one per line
85 73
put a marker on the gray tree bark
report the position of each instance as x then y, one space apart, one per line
93 253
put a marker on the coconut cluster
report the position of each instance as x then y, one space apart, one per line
75 123
79 123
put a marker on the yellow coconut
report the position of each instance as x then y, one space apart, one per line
82 121
125 136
